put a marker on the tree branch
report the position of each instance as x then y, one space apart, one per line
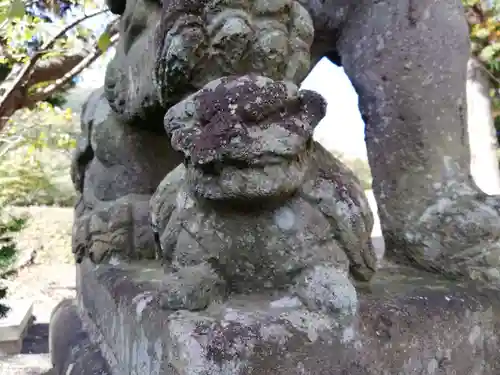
55 68
50 70
45 92
16 91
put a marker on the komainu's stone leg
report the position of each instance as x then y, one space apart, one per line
409 69
192 288
327 289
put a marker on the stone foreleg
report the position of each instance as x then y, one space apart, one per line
408 61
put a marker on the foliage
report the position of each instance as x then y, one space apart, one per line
35 153
44 47
8 250
484 24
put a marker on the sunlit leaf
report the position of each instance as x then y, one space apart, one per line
104 41
17 9
482 33
89 4
488 52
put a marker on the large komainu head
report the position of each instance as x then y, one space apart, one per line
170 50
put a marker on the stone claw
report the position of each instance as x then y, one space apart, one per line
119 227
457 236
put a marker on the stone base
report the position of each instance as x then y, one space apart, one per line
408 323
14 325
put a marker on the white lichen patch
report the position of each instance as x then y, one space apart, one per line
69 370
474 335
432 366
236 316
348 334
114 260
286 302
284 218
184 200
275 333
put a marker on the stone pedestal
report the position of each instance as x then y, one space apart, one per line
14 325
408 323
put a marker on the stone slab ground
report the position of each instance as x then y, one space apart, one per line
14 326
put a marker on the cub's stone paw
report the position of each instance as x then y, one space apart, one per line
326 289
191 288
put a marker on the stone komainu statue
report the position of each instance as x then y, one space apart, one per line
412 98
245 142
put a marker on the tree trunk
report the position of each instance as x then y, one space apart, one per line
482 133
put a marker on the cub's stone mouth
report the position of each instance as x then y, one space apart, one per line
266 159
240 180
249 174
215 167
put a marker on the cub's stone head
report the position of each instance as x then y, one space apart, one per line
245 137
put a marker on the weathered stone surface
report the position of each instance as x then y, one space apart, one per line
415 112
128 83
122 151
416 133
407 323
271 38
70 348
244 137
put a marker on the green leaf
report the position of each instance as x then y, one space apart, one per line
104 41
16 9
28 33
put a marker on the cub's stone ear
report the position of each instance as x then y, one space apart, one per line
116 6
314 106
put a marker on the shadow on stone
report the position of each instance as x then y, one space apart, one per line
37 339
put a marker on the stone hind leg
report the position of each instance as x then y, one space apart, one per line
408 60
